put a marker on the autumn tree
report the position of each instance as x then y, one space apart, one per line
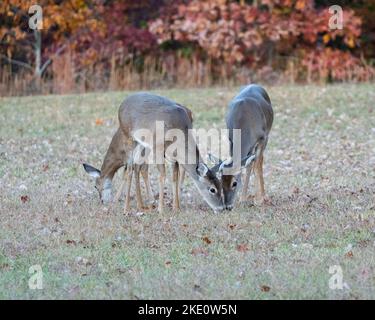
251 33
29 47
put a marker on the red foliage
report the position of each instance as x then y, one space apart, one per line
118 37
242 34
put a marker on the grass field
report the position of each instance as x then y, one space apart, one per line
319 175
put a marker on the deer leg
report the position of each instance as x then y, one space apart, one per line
176 187
145 176
161 168
129 175
259 181
181 177
119 192
245 184
138 192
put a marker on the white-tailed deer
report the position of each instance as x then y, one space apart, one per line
117 156
142 111
251 112
178 175
114 159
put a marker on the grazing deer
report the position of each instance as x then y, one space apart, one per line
114 160
142 111
251 112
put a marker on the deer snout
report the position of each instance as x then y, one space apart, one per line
218 209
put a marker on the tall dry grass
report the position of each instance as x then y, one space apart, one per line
171 70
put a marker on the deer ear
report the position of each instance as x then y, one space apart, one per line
214 159
202 169
93 172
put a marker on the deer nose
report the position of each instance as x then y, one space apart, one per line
230 207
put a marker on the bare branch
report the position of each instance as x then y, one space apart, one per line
48 62
16 62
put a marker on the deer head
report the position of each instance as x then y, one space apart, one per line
103 185
230 176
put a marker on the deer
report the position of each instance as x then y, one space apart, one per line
114 159
251 112
144 110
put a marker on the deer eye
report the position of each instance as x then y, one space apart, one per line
234 184
213 190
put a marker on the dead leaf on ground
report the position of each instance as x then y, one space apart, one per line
99 122
265 288
25 199
242 247
207 240
231 226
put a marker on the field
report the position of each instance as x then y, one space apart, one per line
319 175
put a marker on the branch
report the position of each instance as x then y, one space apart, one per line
16 62
48 62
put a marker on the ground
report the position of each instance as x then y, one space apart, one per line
319 175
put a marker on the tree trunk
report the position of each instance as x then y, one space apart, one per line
38 52
38 58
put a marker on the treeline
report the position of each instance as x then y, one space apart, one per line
99 45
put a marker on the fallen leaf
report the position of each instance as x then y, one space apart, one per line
71 242
265 288
45 167
349 254
25 199
99 122
232 226
207 240
168 263
242 247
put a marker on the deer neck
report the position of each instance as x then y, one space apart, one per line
113 160
191 168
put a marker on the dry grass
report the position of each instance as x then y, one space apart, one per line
319 175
